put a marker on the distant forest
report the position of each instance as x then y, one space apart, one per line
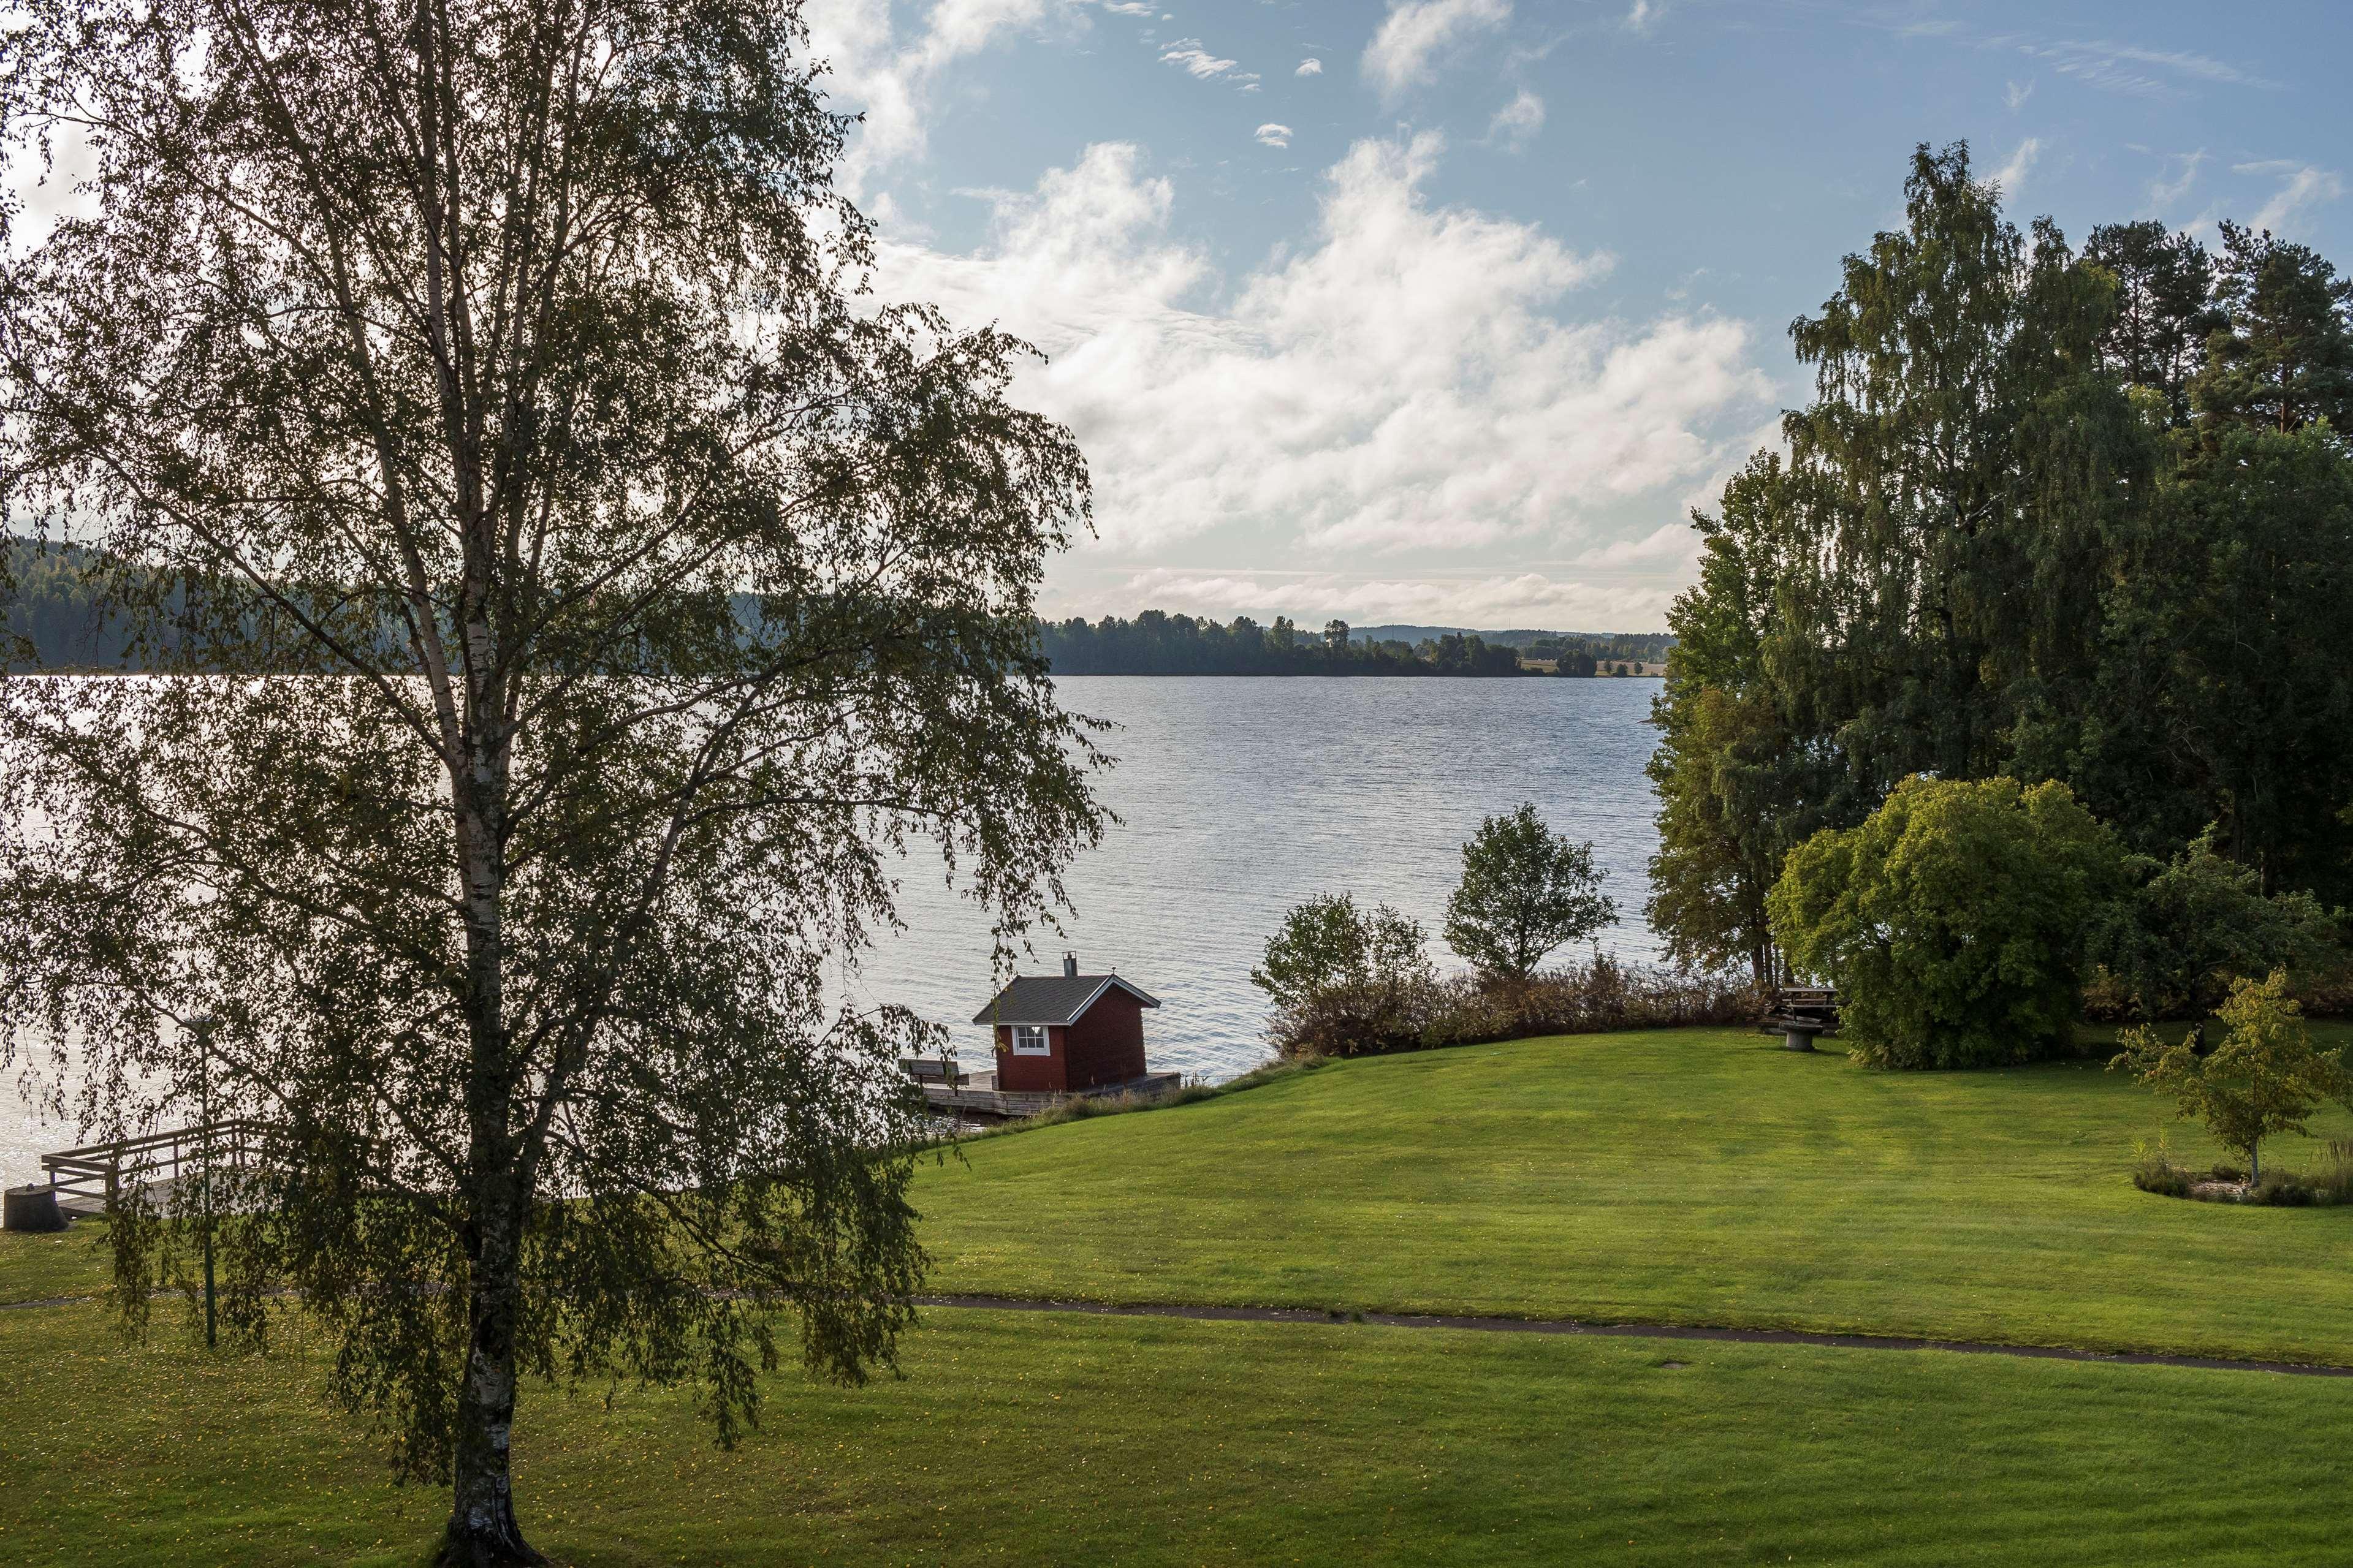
1157 642
52 619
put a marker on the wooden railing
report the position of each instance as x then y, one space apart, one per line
96 1171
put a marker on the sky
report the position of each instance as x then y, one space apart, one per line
1450 310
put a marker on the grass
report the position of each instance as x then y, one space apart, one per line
1027 1439
1686 1176
69 1263
1697 1176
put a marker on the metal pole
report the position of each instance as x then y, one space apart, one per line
203 1031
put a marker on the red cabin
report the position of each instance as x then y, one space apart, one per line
1067 1032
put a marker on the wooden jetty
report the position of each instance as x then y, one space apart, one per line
89 1180
974 1096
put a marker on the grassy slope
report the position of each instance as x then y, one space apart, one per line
1699 1177
1691 1175
1016 1439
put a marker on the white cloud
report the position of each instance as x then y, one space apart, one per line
1643 16
2302 185
2015 96
48 194
892 79
1495 600
1405 380
1189 55
1273 135
2165 191
2011 175
1416 33
1673 545
1516 123
1310 67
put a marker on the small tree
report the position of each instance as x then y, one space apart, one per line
1344 982
1951 921
1525 890
2264 1078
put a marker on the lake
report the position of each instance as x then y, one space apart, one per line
1241 797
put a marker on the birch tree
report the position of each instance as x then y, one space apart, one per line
595 590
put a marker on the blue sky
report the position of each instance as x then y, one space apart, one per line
1455 323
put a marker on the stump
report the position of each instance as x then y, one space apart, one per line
31 1208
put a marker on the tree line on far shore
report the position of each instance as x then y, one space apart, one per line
1158 643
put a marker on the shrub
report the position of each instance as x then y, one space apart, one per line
2265 1077
1327 945
1344 982
2172 946
1525 892
2155 1172
1951 921
1464 1010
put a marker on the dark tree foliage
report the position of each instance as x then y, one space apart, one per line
2165 308
499 364
2082 518
2196 925
2285 358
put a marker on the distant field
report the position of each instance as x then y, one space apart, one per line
1694 1177
1683 1177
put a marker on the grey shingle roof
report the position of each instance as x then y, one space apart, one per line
1053 998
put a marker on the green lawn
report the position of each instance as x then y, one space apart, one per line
1690 1176
1699 1177
1026 1439
70 1263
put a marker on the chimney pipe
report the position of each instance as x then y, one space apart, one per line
1070 966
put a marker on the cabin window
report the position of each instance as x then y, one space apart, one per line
1030 1041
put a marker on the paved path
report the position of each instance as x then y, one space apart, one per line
1492 1325
1631 1331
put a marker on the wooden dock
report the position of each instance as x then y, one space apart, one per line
974 1096
87 1180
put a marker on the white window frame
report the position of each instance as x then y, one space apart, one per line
1032 1040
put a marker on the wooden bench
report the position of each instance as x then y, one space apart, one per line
1801 1015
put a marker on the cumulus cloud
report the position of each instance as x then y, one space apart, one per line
891 78
1516 123
1404 380
1417 33
1310 67
1273 135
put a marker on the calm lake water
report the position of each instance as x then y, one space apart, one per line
1244 796
1240 798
